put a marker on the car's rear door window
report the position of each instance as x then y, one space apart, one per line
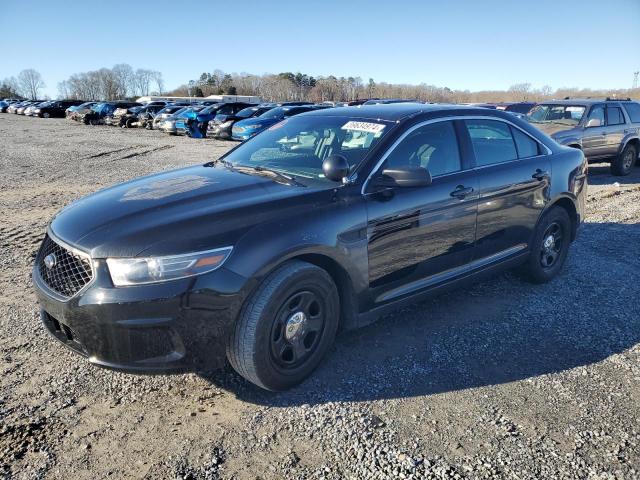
492 141
614 116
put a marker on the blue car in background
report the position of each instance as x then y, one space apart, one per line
195 124
169 125
245 129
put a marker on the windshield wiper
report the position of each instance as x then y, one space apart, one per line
258 169
276 175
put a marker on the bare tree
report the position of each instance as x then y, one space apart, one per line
125 77
143 79
157 77
521 90
31 83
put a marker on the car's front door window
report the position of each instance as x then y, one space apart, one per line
433 146
596 116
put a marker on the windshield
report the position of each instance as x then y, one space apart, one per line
249 112
275 113
298 146
566 114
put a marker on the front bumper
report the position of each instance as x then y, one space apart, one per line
175 326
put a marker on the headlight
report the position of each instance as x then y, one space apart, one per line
137 271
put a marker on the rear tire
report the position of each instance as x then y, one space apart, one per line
623 163
549 247
285 327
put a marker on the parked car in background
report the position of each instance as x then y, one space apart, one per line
605 130
29 111
245 129
385 101
55 108
195 124
120 115
13 108
220 126
144 117
96 114
168 125
516 107
3 106
23 106
266 253
164 114
69 113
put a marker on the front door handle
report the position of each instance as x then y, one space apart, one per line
540 175
461 192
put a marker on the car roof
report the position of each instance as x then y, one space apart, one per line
391 111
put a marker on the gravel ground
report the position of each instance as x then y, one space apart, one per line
502 380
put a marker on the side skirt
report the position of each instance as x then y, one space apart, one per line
448 283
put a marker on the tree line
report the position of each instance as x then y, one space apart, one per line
119 82
288 86
122 81
28 84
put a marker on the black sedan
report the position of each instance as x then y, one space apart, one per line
325 220
55 108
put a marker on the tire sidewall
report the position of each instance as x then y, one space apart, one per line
618 167
311 278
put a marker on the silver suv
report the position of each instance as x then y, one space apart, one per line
606 130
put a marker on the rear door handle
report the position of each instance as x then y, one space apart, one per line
540 175
461 191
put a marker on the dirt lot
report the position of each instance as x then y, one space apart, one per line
503 380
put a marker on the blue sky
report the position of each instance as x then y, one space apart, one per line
461 44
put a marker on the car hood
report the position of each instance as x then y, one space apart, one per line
257 121
190 209
552 128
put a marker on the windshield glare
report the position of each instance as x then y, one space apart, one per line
568 114
298 146
277 112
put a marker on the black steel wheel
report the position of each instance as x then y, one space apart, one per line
297 329
549 246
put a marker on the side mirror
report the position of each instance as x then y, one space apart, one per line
594 122
404 177
335 168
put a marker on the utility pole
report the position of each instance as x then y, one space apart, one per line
635 80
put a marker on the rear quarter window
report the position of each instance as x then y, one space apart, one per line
633 110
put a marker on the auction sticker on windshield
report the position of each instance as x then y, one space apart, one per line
364 126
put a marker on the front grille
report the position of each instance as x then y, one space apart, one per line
62 270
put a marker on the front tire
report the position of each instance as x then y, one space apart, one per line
623 163
550 246
286 327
